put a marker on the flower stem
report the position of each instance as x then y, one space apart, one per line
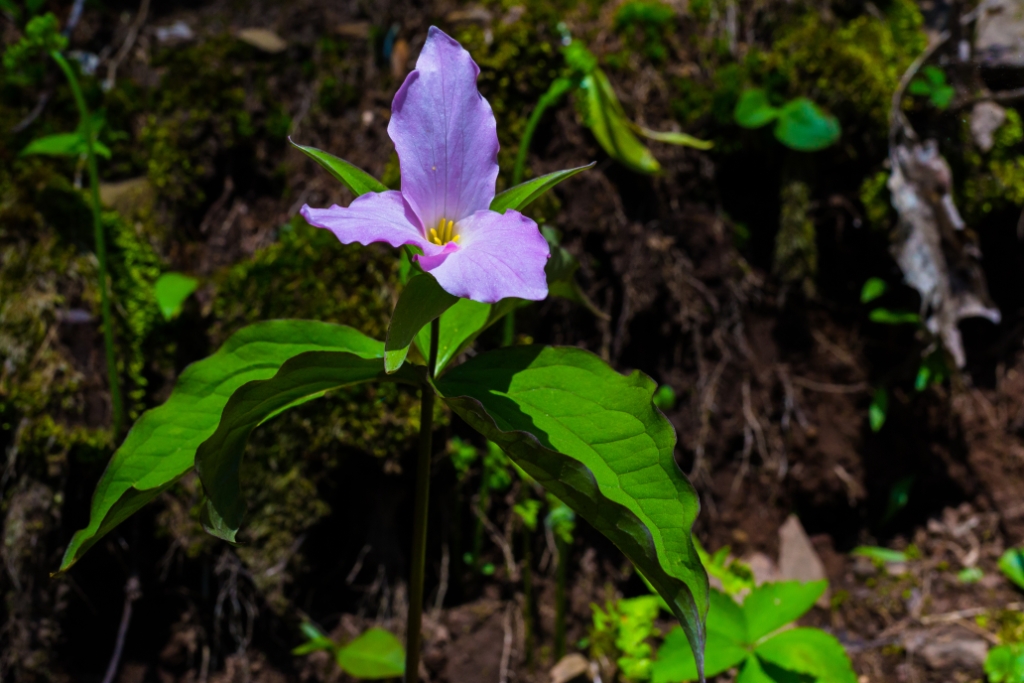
413 637
117 403
558 89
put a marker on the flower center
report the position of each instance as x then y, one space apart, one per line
442 234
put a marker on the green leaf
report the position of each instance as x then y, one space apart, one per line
941 97
171 290
886 317
316 640
520 196
354 178
162 444
726 644
879 409
421 301
753 109
593 438
771 606
753 672
919 86
461 325
808 651
604 116
884 555
1005 664
673 138
1012 565
873 288
373 655
59 145
304 377
804 127
934 75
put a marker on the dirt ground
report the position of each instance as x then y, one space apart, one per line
774 377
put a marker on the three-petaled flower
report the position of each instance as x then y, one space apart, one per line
447 142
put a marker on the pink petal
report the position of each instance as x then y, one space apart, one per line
445 134
498 256
373 217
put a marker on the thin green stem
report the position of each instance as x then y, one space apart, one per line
117 403
421 505
508 334
558 88
560 585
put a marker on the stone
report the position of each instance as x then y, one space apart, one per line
571 668
999 37
947 647
986 118
263 39
128 197
798 560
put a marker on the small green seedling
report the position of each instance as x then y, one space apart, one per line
885 316
622 630
932 84
171 290
970 575
752 637
879 409
1005 664
934 369
1012 565
665 397
735 576
799 124
374 655
880 555
873 288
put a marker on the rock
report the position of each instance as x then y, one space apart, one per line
986 117
999 38
263 39
359 30
947 648
128 197
572 667
762 567
178 32
798 560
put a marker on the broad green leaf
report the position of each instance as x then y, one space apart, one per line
594 439
673 138
354 178
873 288
1012 565
1005 664
808 651
753 109
604 116
304 377
162 444
520 196
59 145
879 409
726 644
804 127
373 655
753 672
171 290
771 606
461 325
421 301
874 552
886 317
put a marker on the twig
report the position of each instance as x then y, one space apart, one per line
44 97
946 617
506 650
442 586
129 42
499 540
827 388
132 592
76 14
358 565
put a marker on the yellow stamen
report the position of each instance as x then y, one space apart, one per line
443 233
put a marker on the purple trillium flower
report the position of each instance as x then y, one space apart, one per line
447 143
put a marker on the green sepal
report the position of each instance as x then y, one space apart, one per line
353 177
520 196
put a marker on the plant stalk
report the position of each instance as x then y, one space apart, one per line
117 402
560 581
421 505
554 93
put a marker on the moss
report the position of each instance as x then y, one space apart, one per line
993 180
874 197
796 249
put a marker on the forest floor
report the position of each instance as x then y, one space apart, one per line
774 372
